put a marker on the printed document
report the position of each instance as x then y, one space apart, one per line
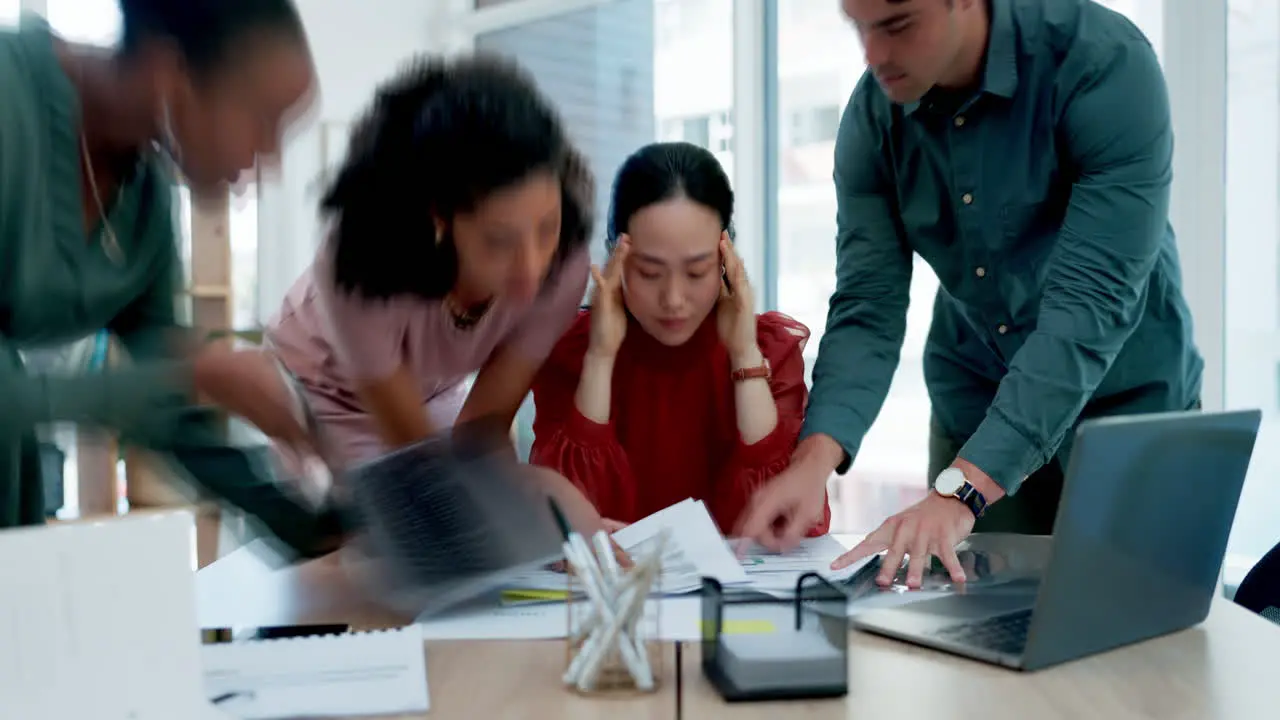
373 673
695 549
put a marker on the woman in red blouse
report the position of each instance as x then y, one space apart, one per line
671 386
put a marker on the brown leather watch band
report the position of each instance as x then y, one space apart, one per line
750 373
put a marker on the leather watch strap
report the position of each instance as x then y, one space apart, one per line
750 373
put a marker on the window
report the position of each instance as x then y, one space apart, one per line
812 125
629 72
696 130
1252 282
813 89
243 232
714 132
96 22
1147 15
243 236
9 12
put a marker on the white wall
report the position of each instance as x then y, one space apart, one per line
356 46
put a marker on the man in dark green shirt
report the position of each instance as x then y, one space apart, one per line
1024 149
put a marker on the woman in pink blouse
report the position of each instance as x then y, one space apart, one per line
457 245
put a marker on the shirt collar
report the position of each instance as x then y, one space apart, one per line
1000 75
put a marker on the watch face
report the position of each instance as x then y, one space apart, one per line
949 481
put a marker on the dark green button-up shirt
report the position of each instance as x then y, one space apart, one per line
1041 201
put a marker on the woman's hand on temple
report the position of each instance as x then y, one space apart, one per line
608 313
735 311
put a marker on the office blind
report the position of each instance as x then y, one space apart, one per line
597 65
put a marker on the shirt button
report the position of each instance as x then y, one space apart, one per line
1002 329
980 272
959 121
967 198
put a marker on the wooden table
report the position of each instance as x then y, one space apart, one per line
519 680
1224 668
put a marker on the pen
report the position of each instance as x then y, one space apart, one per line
218 700
561 522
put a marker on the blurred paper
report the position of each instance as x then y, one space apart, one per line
374 673
696 549
678 619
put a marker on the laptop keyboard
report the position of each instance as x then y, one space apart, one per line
1003 633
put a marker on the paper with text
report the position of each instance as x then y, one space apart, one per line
373 673
778 573
696 549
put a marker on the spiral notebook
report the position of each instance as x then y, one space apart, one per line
362 674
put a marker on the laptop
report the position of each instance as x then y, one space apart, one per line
441 527
1141 532
98 619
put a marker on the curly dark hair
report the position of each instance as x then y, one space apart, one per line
439 138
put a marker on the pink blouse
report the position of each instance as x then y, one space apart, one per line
332 341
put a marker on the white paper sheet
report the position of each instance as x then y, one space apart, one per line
375 673
777 573
696 549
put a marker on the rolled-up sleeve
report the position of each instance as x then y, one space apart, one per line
1117 128
867 316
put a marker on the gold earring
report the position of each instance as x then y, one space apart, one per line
439 236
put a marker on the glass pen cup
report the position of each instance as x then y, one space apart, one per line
612 670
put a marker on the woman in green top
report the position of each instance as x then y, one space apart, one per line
87 235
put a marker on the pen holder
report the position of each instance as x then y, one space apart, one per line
760 647
614 635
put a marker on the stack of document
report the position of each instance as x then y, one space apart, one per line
696 549
532 606
777 573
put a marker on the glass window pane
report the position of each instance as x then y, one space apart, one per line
1252 312
629 72
96 22
244 258
813 88
9 11
1147 15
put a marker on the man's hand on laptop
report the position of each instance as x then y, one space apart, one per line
930 528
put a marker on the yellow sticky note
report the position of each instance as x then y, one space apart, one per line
742 627
517 596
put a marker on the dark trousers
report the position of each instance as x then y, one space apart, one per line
1031 511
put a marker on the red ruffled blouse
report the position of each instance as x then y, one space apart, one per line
673 430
